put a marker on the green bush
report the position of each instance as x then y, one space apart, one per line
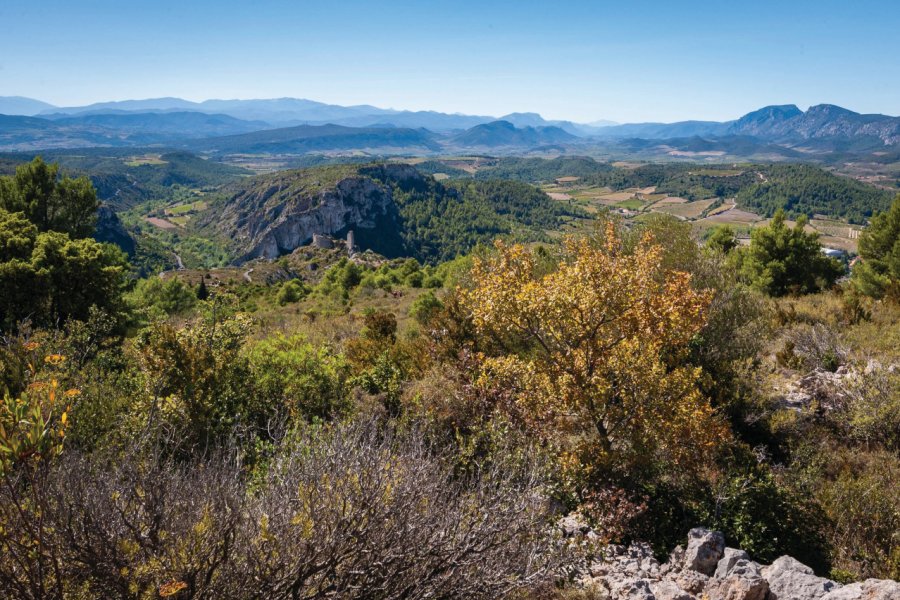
160 297
425 307
306 381
291 291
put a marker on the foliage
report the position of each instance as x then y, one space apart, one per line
441 222
768 519
783 260
198 381
48 276
594 347
859 492
291 291
425 307
878 274
308 382
534 170
722 239
162 297
807 190
349 511
52 203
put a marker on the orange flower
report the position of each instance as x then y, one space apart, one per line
54 359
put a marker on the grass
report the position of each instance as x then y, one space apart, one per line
632 204
138 161
183 209
686 210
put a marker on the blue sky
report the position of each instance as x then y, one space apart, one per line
625 60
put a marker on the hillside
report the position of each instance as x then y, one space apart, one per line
126 177
114 129
504 133
804 189
393 210
308 138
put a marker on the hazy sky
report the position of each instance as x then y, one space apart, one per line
622 60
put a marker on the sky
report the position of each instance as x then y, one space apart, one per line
626 61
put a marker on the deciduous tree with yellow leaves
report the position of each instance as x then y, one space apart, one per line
597 352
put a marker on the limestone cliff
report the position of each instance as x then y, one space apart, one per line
271 215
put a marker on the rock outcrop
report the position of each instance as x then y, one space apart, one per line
706 570
274 214
110 229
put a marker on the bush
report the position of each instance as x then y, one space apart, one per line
308 382
813 347
859 493
353 511
291 291
163 297
425 307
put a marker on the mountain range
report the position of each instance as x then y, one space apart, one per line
299 126
774 123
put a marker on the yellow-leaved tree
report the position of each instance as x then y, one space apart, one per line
593 352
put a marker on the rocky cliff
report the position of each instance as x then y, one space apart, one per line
272 215
705 569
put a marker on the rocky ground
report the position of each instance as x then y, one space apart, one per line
707 570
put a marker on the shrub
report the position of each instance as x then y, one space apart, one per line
425 307
859 493
163 297
308 382
291 291
782 260
814 347
351 511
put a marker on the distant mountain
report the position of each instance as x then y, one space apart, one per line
172 124
19 105
762 121
434 121
823 121
780 130
661 131
148 105
115 129
504 133
33 133
320 138
783 124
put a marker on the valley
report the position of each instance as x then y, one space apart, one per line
486 301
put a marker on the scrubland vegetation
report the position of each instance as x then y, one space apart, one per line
358 427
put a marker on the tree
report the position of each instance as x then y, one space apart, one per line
202 291
198 380
47 276
783 260
163 297
50 202
722 239
878 274
308 382
591 351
